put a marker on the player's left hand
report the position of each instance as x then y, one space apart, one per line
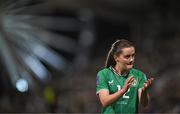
147 84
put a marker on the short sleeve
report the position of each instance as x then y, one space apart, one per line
142 81
101 82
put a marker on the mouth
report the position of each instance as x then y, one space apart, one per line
131 63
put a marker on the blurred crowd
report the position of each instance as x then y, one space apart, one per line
76 92
71 45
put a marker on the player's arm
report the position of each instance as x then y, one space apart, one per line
143 93
107 99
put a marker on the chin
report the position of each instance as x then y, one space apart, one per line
129 67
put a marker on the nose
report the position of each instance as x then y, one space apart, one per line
131 59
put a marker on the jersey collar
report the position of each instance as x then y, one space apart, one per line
124 75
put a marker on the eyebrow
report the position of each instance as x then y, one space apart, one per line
129 55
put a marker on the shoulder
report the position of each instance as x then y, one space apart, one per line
103 71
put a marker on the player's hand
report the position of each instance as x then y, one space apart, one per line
128 83
148 84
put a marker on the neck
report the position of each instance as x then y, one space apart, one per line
120 70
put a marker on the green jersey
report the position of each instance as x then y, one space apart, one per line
111 81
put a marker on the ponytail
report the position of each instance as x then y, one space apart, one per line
110 59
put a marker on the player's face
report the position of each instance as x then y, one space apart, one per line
125 60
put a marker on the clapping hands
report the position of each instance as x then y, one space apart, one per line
148 84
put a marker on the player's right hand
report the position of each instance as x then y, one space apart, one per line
128 83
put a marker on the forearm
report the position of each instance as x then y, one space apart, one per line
109 99
143 97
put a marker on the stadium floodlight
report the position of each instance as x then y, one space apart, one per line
26 38
22 85
35 43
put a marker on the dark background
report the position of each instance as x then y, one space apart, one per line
57 47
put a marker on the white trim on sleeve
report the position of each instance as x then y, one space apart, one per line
101 90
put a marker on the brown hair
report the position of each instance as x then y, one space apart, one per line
116 49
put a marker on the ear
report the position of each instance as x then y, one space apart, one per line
115 58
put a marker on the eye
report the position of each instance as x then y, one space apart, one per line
127 56
133 55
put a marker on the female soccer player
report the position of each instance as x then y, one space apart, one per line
120 87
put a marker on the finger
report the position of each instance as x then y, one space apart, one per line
131 79
146 85
143 88
129 84
150 81
128 80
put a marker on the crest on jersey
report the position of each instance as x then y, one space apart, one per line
134 83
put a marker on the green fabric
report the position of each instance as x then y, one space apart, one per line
107 79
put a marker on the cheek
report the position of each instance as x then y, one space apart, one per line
123 61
